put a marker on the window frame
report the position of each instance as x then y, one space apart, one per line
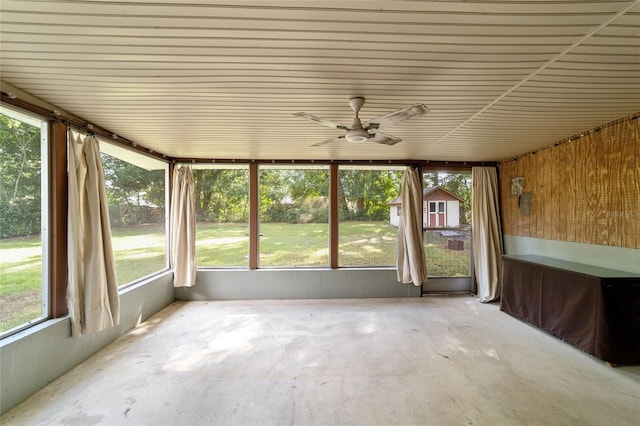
32 118
241 166
145 163
449 170
318 167
365 167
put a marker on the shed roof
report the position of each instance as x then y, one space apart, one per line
425 193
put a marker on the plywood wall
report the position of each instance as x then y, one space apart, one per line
586 189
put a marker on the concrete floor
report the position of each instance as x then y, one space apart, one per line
426 361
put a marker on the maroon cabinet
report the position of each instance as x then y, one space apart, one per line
597 310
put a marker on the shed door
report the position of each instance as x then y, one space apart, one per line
437 214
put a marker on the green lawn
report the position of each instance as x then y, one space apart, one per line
224 244
367 244
297 245
139 251
442 262
20 281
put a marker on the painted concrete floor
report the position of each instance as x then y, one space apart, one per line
418 361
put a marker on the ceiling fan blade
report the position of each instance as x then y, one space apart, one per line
322 121
384 139
326 141
395 117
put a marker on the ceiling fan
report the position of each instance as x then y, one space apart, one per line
369 130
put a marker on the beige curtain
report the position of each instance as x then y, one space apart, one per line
410 262
487 235
183 228
92 293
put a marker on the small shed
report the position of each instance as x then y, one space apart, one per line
440 209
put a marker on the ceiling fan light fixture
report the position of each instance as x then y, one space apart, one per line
357 135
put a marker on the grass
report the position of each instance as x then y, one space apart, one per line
442 262
20 281
140 251
367 244
224 244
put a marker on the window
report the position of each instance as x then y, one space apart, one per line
447 236
136 195
368 231
24 294
294 216
222 215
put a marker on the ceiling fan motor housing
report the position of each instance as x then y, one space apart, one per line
357 135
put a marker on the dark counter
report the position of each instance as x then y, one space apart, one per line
595 309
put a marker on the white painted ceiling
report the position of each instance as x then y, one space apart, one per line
222 79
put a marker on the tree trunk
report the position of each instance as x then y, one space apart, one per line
206 201
360 207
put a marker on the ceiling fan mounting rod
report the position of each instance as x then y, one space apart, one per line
356 134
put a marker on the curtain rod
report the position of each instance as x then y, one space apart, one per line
420 163
91 128
80 124
577 136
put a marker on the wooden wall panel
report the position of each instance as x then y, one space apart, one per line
635 147
614 137
509 173
512 201
521 220
603 184
506 175
504 211
571 197
503 208
626 190
567 197
555 193
585 190
532 186
538 202
560 191
529 220
546 196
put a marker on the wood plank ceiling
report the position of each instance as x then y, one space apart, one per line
222 79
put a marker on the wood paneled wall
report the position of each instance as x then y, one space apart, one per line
585 189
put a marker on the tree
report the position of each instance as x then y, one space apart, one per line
294 195
20 178
132 191
309 191
222 195
308 183
365 194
